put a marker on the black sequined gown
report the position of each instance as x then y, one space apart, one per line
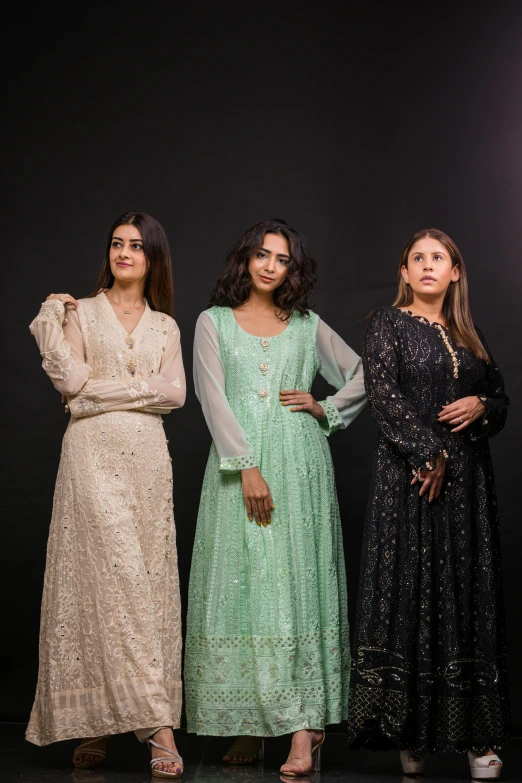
429 648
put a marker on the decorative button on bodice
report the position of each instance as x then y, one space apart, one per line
263 367
265 342
262 393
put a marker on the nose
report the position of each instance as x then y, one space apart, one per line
270 264
428 263
124 253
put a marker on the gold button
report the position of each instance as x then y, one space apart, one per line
262 393
163 348
164 332
265 343
263 367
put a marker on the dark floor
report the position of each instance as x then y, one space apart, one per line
127 761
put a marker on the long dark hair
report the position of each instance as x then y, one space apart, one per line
159 289
233 287
455 307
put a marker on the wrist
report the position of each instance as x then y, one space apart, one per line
319 412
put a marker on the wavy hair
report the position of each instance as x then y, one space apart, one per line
455 308
159 288
233 286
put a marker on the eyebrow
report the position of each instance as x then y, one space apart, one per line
281 255
130 240
433 253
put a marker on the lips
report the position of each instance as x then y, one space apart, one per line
121 263
428 279
266 279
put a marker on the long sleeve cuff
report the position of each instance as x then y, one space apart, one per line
333 420
235 464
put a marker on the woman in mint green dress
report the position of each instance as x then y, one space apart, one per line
267 650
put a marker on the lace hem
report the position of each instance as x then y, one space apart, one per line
234 464
112 708
298 714
333 420
385 719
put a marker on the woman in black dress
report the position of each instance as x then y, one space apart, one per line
429 649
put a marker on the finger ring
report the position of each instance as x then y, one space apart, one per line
461 420
61 299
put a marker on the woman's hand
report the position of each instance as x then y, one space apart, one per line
432 480
302 401
68 300
463 412
258 500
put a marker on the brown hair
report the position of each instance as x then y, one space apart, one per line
159 290
455 308
233 286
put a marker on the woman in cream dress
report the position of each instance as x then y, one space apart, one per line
110 640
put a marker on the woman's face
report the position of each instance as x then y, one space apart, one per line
268 267
126 256
429 271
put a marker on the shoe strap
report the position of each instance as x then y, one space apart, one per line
172 753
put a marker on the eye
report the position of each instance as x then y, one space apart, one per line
260 254
437 257
115 243
137 247
284 261
417 258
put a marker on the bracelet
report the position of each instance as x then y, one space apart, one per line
429 465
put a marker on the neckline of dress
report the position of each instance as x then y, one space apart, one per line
422 319
260 336
126 333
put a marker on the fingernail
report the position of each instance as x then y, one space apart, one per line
284 403
269 522
250 519
273 505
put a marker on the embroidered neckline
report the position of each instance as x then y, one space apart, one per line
443 333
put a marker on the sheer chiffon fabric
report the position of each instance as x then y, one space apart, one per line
110 638
429 647
267 635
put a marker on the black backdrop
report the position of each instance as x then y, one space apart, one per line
356 122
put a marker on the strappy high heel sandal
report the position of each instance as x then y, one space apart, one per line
484 767
316 762
412 762
172 755
81 751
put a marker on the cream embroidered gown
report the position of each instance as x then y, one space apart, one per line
110 639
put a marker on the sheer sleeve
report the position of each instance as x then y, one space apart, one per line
494 399
160 394
234 450
392 410
342 368
61 346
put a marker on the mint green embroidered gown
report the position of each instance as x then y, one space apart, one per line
267 649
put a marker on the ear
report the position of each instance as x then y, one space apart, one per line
455 273
404 273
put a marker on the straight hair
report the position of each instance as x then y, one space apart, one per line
159 288
455 308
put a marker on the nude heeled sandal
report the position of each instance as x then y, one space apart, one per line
484 767
84 748
412 762
172 755
316 761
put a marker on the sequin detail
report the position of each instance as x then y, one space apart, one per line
429 644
